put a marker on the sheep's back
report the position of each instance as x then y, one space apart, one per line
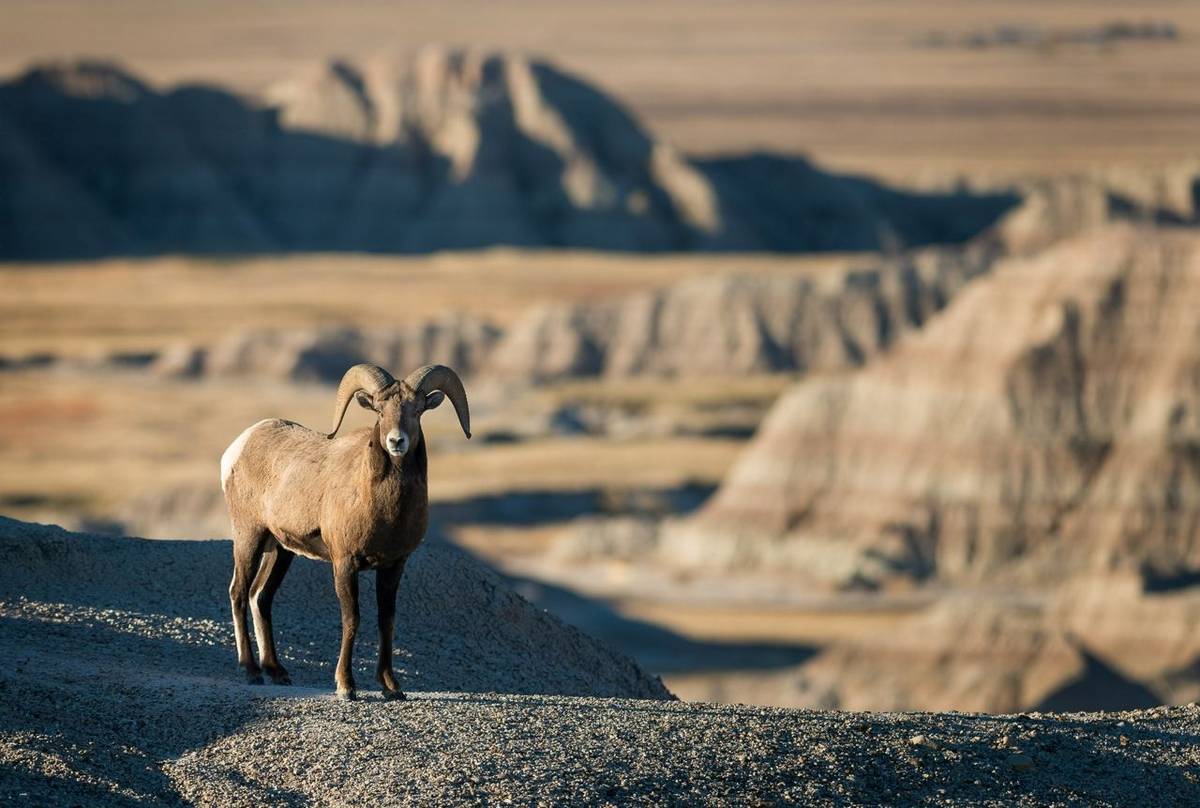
272 475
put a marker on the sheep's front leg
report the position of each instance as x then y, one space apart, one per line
345 582
387 581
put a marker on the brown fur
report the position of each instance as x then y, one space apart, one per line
345 500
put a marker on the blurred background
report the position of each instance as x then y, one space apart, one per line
831 355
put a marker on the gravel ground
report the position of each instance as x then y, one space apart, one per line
458 626
102 703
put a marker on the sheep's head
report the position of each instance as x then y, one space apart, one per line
400 404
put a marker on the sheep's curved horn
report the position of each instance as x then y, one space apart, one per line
439 377
371 378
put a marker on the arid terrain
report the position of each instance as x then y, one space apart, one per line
819 357
613 393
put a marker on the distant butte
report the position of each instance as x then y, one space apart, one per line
455 150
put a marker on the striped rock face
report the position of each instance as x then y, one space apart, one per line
1047 423
795 322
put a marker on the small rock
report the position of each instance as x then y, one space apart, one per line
1019 762
923 741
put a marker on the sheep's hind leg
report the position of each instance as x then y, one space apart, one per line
275 563
345 583
247 550
387 581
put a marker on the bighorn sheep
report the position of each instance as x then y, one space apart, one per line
359 501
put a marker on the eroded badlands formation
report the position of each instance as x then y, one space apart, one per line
1045 424
1033 448
451 150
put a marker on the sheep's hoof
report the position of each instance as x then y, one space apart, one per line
253 678
279 676
394 695
347 695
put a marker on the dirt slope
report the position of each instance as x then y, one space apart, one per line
458 626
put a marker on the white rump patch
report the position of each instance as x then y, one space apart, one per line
235 450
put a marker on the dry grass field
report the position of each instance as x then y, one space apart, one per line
80 309
86 444
848 83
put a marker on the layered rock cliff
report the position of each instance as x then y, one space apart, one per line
1044 425
736 324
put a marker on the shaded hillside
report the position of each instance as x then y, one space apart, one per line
1028 457
1046 424
455 150
458 626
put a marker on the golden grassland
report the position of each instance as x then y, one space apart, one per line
90 443
756 623
82 308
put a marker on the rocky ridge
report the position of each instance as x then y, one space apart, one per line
450 150
322 354
146 706
734 325
458 626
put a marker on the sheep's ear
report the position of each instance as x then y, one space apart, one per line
364 400
434 399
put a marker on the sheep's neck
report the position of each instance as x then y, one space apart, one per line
397 496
